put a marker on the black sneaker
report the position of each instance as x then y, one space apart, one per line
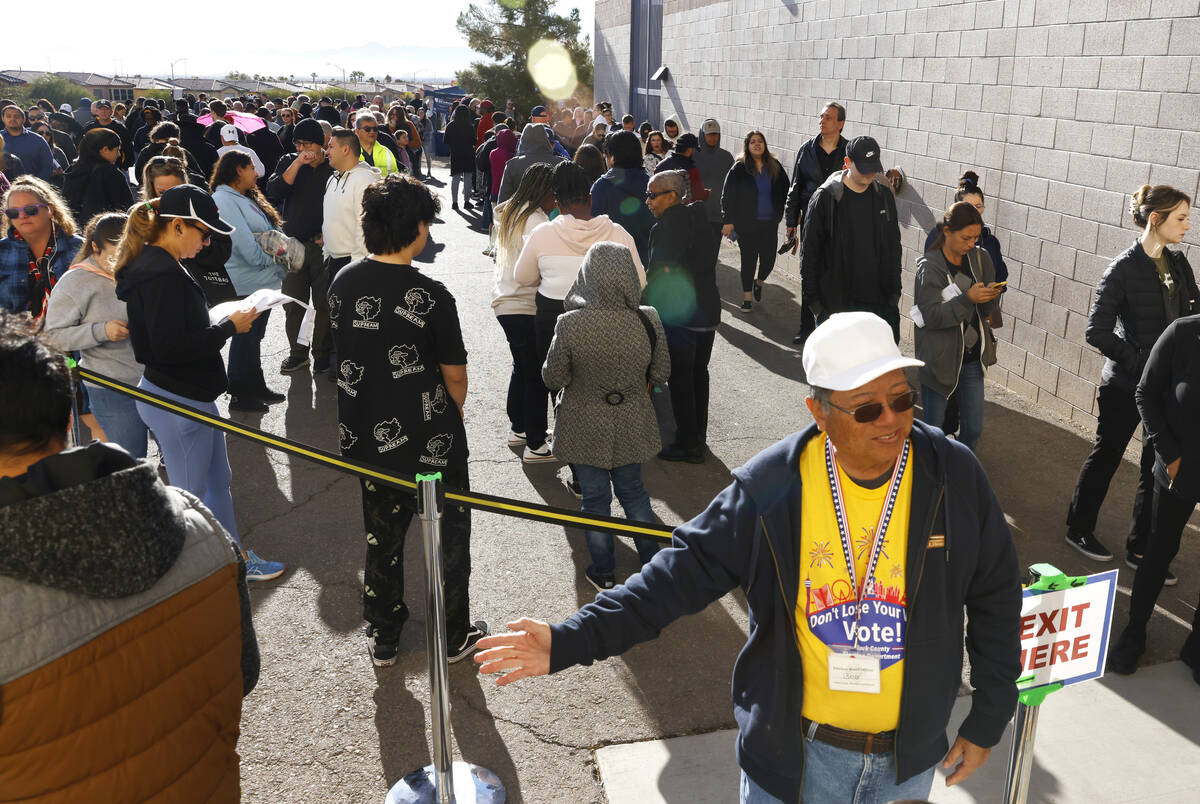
674 453
247 404
799 337
602 582
269 396
747 306
383 651
469 207
1087 544
758 291
1135 561
476 632
321 364
1125 652
293 363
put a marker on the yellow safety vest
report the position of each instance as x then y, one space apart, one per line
385 160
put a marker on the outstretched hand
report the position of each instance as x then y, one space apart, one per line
967 756
523 653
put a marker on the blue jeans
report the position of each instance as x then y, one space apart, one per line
194 453
118 416
970 404
598 486
846 777
245 359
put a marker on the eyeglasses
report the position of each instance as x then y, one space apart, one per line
30 210
865 414
206 232
368 128
652 196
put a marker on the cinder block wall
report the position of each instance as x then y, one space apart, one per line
1062 108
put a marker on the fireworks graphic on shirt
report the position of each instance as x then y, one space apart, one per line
820 555
863 543
896 571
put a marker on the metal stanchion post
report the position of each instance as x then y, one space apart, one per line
1020 757
76 405
445 781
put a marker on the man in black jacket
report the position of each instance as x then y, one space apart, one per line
681 283
104 119
850 250
297 187
858 543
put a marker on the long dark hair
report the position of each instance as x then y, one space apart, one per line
225 172
960 215
770 163
94 140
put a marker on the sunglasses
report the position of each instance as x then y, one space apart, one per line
652 196
368 128
206 232
30 210
865 414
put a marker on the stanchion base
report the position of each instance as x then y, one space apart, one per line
472 785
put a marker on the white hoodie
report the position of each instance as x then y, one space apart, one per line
342 225
554 252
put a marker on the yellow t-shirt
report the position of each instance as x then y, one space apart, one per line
825 608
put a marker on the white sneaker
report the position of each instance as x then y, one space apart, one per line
543 455
516 439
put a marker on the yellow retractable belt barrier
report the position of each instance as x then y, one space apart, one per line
479 502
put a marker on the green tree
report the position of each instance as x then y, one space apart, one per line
53 88
505 30
387 79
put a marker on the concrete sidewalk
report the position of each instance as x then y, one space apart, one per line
1119 739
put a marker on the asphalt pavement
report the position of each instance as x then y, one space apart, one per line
325 725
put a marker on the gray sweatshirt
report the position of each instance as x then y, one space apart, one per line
80 305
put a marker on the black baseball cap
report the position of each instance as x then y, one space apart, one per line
864 153
103 104
190 202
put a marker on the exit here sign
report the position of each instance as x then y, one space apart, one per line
1064 633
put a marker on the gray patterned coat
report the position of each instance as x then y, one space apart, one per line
600 347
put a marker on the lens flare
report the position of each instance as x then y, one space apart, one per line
552 70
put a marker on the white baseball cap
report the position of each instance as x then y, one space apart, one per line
851 349
229 132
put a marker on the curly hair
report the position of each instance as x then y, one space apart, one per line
60 213
392 211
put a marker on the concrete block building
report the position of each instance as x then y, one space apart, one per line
1063 108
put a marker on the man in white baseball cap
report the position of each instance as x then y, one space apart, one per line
859 542
229 142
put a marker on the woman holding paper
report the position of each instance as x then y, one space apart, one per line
179 347
955 294
239 201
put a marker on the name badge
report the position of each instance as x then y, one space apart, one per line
851 673
950 292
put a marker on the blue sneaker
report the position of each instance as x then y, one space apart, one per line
259 569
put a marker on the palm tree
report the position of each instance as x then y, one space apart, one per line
357 75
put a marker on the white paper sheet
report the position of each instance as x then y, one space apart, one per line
304 336
261 300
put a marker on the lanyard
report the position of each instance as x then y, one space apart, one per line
885 518
41 278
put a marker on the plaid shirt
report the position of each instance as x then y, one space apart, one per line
14 268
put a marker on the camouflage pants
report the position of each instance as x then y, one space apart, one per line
387 513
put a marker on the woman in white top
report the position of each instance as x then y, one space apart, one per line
514 307
553 254
656 151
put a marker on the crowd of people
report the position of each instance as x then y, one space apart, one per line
606 238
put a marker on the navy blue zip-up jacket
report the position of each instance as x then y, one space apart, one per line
749 537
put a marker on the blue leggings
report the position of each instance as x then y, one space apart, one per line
195 454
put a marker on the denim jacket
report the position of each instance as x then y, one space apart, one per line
14 268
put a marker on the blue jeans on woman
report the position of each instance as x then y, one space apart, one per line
598 486
847 777
245 359
194 453
118 416
970 404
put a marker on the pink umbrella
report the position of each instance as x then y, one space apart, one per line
246 122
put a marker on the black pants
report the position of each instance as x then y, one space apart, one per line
387 513
312 280
527 395
757 245
690 352
1114 427
332 266
1171 513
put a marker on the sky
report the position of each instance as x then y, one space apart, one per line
424 44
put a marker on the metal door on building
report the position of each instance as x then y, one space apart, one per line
645 57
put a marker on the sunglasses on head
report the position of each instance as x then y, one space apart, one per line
30 210
865 414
